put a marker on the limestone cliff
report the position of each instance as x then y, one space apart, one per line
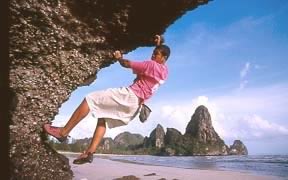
156 138
172 136
237 148
56 46
127 139
200 136
106 145
201 126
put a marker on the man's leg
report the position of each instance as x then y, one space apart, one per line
87 156
98 135
77 116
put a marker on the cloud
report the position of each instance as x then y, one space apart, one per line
248 127
251 114
261 126
228 125
245 70
243 74
248 67
243 84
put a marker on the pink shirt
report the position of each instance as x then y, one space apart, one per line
150 75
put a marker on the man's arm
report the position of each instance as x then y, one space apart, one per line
123 62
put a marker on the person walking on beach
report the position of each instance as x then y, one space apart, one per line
117 106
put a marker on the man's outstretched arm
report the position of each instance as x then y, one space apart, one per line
123 62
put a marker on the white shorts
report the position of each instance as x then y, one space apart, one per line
118 106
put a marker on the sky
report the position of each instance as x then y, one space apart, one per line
229 55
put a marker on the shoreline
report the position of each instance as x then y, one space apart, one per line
105 169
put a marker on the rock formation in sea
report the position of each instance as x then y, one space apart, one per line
156 138
126 139
237 148
172 136
200 126
107 144
200 137
173 142
56 46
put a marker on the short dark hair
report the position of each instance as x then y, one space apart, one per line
164 49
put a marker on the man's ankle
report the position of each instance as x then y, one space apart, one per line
61 132
89 151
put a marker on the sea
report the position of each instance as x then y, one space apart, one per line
275 165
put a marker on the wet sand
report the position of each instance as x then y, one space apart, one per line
105 169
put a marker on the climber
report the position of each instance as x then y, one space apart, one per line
117 106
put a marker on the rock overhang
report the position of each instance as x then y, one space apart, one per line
57 46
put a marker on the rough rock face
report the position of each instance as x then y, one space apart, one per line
201 136
106 144
57 46
173 140
156 138
200 126
238 148
126 138
172 136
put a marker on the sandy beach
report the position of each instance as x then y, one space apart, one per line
105 169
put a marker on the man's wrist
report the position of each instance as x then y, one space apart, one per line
117 55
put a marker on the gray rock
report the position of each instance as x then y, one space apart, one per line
200 126
126 138
156 138
200 136
238 148
173 136
107 144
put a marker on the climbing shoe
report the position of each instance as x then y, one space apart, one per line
84 158
55 132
